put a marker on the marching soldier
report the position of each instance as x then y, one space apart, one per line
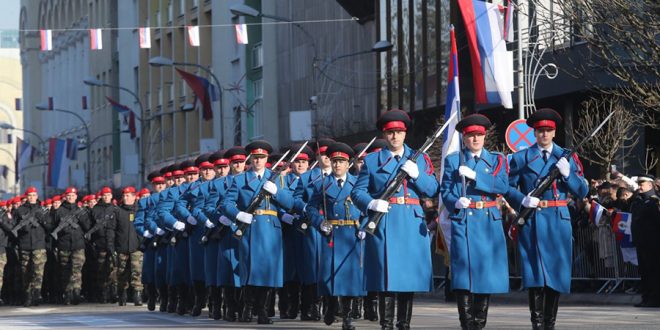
6 225
397 256
102 239
309 276
260 249
69 223
127 243
333 213
645 229
479 265
545 241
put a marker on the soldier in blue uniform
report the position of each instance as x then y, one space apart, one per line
228 277
341 274
260 249
397 260
545 241
164 249
479 265
311 251
145 225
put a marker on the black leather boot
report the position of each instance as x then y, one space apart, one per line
150 290
270 302
137 298
293 300
550 307
76 297
112 294
173 299
332 306
163 297
283 301
464 304
404 302
371 306
315 308
356 308
248 303
347 304
199 291
182 293
262 305
36 297
536 307
231 302
68 297
122 297
216 301
386 310
480 310
27 302
306 303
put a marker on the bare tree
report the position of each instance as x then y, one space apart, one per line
650 160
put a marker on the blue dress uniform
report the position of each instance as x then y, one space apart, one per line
545 241
260 249
479 263
398 255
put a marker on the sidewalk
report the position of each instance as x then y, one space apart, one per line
520 298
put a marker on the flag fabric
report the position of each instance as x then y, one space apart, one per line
96 39
83 102
193 35
17 103
202 89
145 37
492 65
507 29
131 125
46 40
23 155
451 144
129 115
72 149
596 213
58 164
621 222
241 34
122 109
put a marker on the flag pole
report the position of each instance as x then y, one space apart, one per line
521 73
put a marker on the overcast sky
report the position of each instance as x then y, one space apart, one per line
10 10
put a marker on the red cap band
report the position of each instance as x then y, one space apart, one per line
545 123
395 125
339 154
322 150
191 169
158 179
221 162
237 158
259 151
205 165
177 173
302 156
167 175
474 129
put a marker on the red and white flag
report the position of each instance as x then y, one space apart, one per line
46 40
193 35
145 37
241 34
96 39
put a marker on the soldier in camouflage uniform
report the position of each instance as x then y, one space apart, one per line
102 214
30 218
6 224
127 243
70 244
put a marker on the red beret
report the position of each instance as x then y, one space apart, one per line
71 190
30 189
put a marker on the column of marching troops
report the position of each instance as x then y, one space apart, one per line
216 233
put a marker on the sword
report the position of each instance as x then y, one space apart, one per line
362 152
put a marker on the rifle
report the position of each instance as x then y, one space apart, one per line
30 219
395 183
97 226
69 220
275 172
547 181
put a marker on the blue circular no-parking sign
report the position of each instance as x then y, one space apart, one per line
519 136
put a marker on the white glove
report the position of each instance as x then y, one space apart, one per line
208 224
270 187
361 235
225 221
191 220
288 218
379 205
160 232
564 167
244 217
180 226
530 202
411 168
467 172
147 234
462 203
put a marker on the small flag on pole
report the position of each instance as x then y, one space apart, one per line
46 40
96 39
596 213
145 37
193 35
84 102
18 104
241 34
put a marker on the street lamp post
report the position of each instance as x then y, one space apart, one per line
160 61
44 107
379 47
42 144
98 83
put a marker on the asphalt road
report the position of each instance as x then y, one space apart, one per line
428 314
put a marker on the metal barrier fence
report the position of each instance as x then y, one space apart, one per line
597 256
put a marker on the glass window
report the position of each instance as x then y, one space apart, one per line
257 56
258 89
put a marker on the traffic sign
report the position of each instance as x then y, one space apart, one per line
519 136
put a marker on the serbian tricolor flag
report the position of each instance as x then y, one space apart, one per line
203 89
193 35
58 164
492 65
596 213
129 116
145 37
507 29
46 39
620 223
241 34
96 39
451 144
621 227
